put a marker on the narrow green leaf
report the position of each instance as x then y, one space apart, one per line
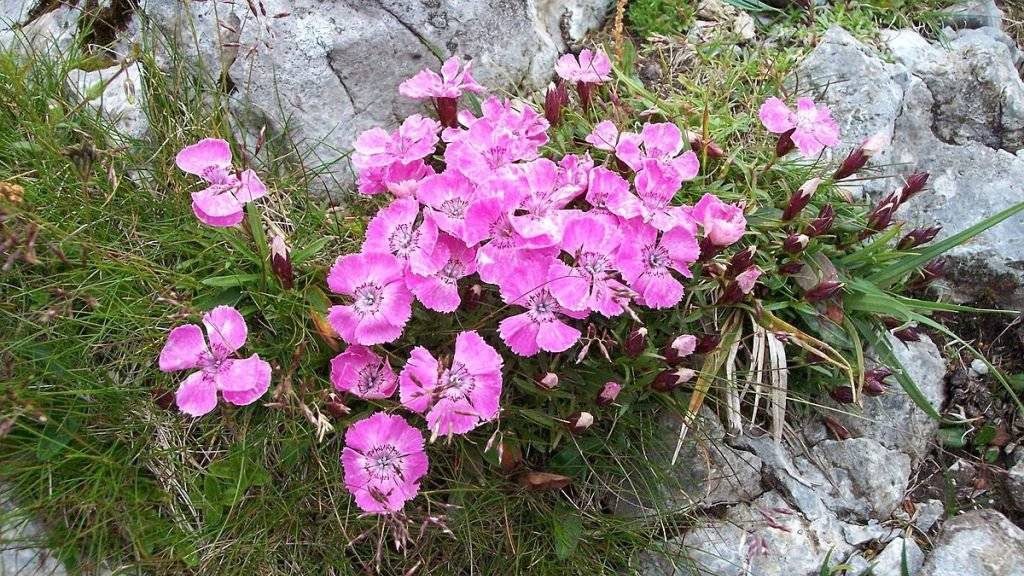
567 531
230 280
891 273
884 350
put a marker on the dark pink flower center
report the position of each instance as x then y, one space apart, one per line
403 240
371 377
384 463
655 258
593 263
454 207
542 306
457 383
368 298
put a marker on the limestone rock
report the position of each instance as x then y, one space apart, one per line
117 94
979 543
20 551
889 561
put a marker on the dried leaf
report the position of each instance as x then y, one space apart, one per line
544 481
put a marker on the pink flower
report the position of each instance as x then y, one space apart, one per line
414 140
383 460
748 278
502 135
656 184
394 231
450 84
589 284
448 195
241 382
541 327
460 397
605 136
647 261
542 224
381 302
662 143
590 67
723 223
401 179
574 173
221 203
609 191
439 291
362 372
812 125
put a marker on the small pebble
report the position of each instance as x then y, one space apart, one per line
978 367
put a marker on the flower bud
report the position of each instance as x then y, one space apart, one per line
823 223
798 201
714 269
699 144
784 145
679 348
608 393
636 342
671 379
732 294
930 272
842 394
908 334
708 249
860 156
879 374
548 381
823 291
837 429
917 237
707 343
742 260
281 262
915 183
881 216
793 267
585 90
873 387
447 111
556 98
580 421
335 407
795 243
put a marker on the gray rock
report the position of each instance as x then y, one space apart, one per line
928 514
1015 484
979 543
52 32
117 94
974 14
21 553
889 561
893 419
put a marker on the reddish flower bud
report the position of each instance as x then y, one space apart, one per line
580 421
879 374
636 342
608 393
281 262
557 97
798 201
795 243
930 272
908 334
708 250
915 183
447 111
793 267
732 294
881 216
585 89
823 223
335 407
679 348
842 394
548 381
860 156
917 237
837 429
742 260
699 144
784 145
707 343
823 291
671 379
873 387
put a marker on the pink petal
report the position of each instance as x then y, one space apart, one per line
353 270
519 332
447 418
662 139
344 320
226 330
604 136
185 348
568 67
807 143
371 330
208 152
477 355
659 291
776 116
220 210
557 336
197 395
418 379
687 165
250 187
248 380
628 150
351 371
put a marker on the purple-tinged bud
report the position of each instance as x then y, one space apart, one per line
879 374
908 334
636 342
860 156
707 343
842 394
798 201
708 249
917 237
548 381
793 267
784 145
698 144
881 216
585 90
557 97
447 111
671 379
795 243
679 348
873 387
335 407
742 260
915 183
823 291
732 294
837 429
579 422
823 223
929 273
281 262
608 393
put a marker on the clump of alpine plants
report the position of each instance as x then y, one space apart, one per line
538 270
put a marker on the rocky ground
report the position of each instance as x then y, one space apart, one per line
894 488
